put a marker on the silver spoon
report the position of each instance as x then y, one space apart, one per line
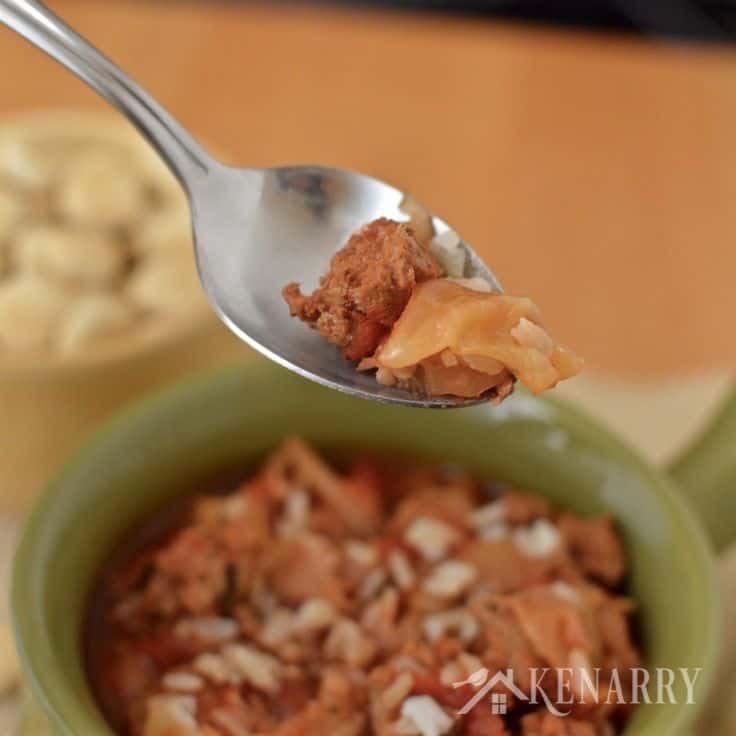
255 230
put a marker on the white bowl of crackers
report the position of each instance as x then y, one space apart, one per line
99 295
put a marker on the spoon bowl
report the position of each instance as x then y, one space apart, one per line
255 230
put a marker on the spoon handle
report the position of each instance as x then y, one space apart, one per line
37 24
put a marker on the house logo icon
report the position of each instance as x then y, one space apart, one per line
498 688
480 681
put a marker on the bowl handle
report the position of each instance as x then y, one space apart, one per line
706 472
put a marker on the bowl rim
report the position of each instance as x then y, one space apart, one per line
174 329
60 707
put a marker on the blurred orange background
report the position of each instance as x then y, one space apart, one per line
595 173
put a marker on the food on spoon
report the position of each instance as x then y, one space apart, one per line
367 287
466 342
356 598
403 308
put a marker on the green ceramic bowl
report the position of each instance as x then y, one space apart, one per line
149 455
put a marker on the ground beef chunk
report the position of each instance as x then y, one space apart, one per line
367 287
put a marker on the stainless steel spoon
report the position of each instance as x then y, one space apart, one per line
254 229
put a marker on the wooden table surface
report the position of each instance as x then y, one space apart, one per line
595 173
